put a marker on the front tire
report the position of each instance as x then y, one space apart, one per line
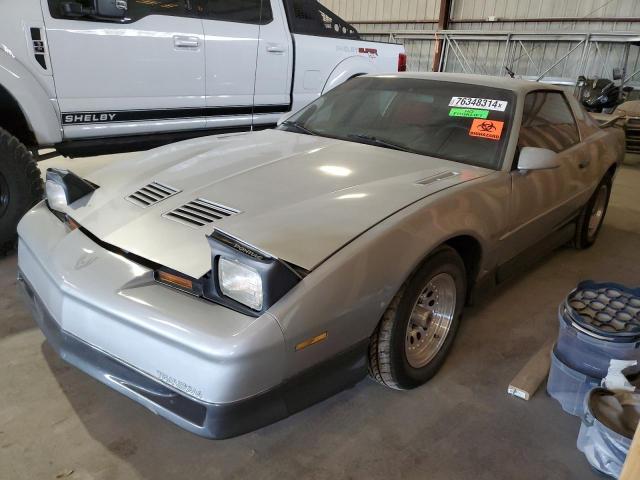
592 216
417 330
20 187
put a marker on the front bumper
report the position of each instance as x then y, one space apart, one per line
204 419
108 316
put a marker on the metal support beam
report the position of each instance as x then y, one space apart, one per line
443 24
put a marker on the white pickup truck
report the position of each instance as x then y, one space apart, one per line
89 77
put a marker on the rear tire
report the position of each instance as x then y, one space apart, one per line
417 330
20 187
592 217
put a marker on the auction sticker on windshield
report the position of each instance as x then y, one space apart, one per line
468 113
490 129
486 103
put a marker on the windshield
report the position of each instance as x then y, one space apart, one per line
456 121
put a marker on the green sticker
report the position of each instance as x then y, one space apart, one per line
468 112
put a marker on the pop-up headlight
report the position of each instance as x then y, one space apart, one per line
64 187
245 278
241 283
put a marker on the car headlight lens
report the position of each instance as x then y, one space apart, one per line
64 187
56 195
241 283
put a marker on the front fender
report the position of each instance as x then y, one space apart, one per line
38 109
347 295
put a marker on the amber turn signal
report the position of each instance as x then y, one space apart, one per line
73 225
312 341
174 280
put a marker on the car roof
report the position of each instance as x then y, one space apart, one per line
515 85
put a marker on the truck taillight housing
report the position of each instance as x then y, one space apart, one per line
402 62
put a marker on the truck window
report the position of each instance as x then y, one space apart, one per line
547 122
136 9
257 12
308 17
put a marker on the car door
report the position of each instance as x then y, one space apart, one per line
543 201
140 74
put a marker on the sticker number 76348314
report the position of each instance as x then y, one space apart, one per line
486 103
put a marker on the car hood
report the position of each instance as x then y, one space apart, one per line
297 197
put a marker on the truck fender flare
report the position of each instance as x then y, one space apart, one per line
346 70
37 108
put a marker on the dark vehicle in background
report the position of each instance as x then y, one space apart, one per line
602 95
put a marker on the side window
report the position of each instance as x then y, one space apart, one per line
126 11
138 9
241 11
309 17
547 122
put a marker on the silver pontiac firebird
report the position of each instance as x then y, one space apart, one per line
229 281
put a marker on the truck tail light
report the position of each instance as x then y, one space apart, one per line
402 62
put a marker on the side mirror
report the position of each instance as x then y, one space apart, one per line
617 73
111 8
532 158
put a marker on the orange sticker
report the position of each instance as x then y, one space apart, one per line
486 129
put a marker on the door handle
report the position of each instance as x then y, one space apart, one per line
185 42
275 48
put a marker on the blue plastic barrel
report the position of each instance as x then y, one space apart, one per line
599 322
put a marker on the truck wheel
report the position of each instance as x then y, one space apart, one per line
20 187
592 216
417 330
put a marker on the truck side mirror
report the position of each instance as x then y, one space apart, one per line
533 158
111 8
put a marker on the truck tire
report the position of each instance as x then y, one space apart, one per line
20 187
417 330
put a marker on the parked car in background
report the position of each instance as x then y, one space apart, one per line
229 281
90 77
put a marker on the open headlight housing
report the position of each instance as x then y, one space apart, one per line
64 187
241 283
246 279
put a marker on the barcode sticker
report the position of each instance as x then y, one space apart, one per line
486 103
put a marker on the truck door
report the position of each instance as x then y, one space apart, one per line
232 33
275 67
543 201
143 73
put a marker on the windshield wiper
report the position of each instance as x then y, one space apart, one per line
299 127
378 142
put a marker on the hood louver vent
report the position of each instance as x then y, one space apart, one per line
200 212
438 177
151 194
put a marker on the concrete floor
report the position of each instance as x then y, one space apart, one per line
56 422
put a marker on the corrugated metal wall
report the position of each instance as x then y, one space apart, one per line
376 19
394 16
